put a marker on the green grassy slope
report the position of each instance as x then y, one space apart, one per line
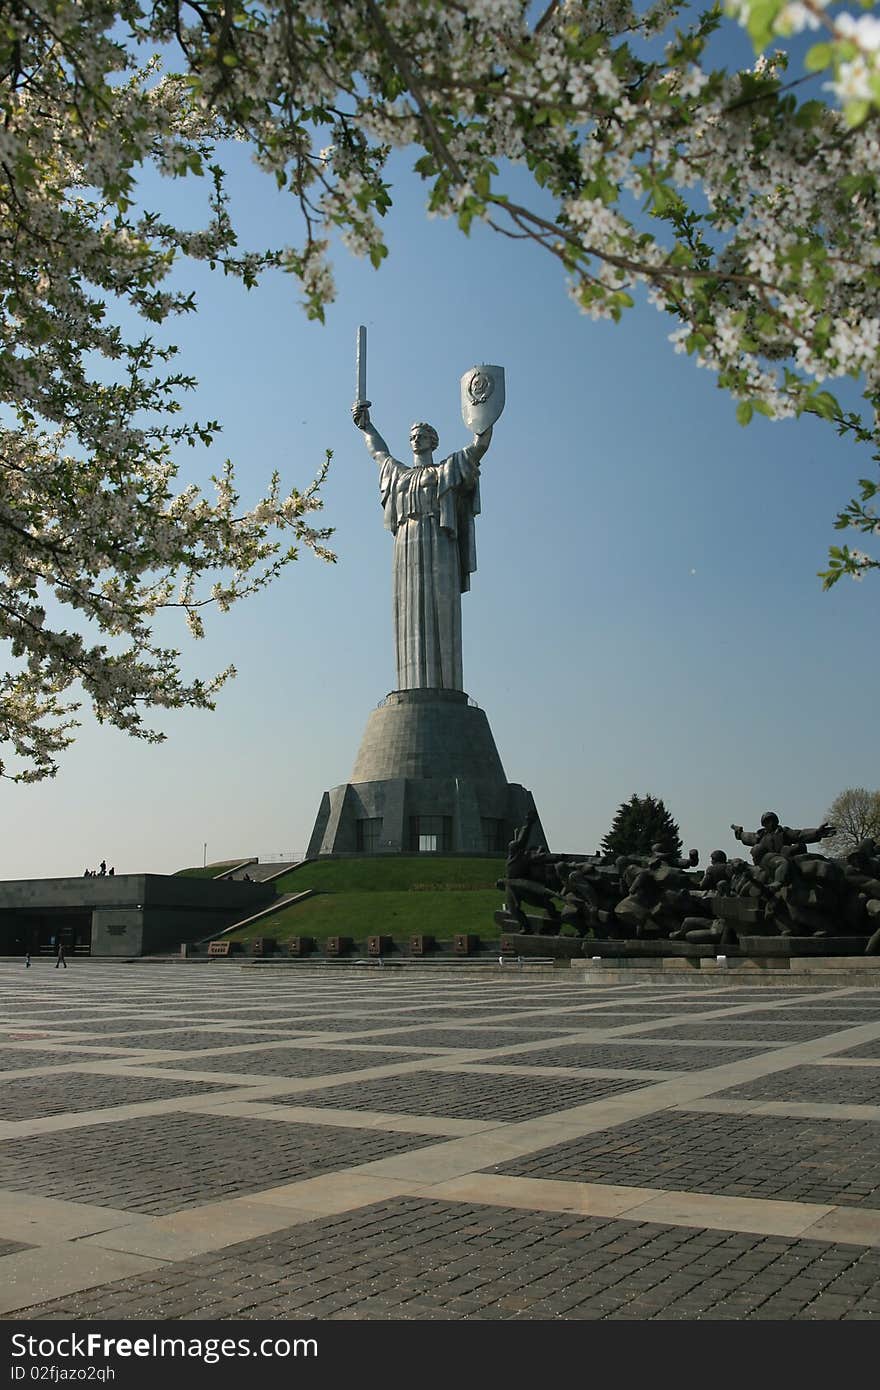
211 871
400 915
388 874
397 897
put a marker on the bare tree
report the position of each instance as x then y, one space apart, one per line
856 815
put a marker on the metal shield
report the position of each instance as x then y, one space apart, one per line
482 397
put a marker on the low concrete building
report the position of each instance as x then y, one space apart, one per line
122 914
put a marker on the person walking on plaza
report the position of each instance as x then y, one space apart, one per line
27 960
61 958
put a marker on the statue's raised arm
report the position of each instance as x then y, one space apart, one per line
481 443
360 411
360 414
812 835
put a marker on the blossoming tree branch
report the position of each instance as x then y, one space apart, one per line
743 204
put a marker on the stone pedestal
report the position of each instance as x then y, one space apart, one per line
427 778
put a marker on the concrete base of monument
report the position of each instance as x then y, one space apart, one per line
427 778
543 939
573 947
799 972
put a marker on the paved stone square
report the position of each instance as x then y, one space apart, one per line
20 1058
869 1050
671 1054
460 1035
468 1095
71 1092
849 1085
409 1259
738 1155
168 1162
290 1061
755 1029
192 1140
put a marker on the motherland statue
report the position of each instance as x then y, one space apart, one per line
430 509
427 778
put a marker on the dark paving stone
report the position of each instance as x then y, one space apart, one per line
193 1039
292 1061
343 1023
59 1018
849 1013
825 1085
662 1056
751 1029
696 1001
404 1259
556 1020
473 1013
120 1024
467 1095
764 994
529 1013
521 1025
510 1007
12 1060
824 1161
27 1098
279 1025
761 1000
618 1017
273 1008
612 1018
868 1050
469 1037
164 1163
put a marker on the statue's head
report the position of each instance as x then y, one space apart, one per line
718 856
770 820
423 438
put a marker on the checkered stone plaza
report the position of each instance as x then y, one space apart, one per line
204 1141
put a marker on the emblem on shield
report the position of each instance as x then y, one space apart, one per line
482 397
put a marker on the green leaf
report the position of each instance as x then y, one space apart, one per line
824 404
744 412
819 56
482 184
829 577
760 22
810 113
855 112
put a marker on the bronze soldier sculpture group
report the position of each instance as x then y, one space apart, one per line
785 891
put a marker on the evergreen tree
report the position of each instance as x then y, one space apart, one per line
641 822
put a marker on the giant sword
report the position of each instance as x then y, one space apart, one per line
361 397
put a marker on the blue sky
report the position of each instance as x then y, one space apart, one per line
645 616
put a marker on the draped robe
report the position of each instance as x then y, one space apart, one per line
430 510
